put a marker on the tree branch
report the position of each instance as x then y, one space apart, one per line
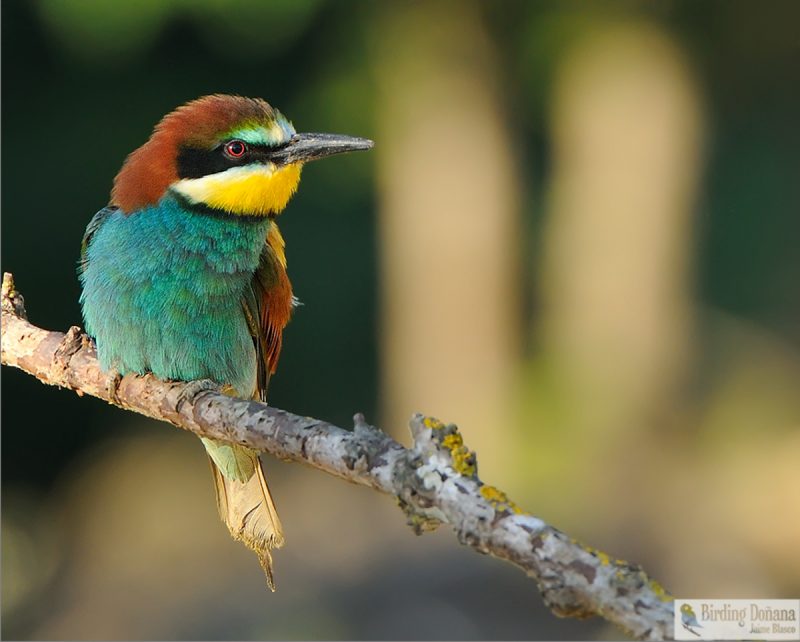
435 481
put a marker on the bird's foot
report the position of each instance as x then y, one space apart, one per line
113 379
192 389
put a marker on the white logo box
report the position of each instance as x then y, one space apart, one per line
737 619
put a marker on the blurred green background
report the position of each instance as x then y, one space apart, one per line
577 237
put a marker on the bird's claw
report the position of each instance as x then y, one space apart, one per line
113 379
192 389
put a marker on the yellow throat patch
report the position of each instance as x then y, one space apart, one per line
251 190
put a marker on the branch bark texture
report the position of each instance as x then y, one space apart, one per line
435 480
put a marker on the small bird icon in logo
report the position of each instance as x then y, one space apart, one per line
689 619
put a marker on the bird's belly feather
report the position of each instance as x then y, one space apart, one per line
162 293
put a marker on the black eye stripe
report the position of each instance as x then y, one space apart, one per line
193 162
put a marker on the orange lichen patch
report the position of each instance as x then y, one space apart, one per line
452 441
418 523
605 558
494 494
498 499
463 458
433 423
659 591
447 436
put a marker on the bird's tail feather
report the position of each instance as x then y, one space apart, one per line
244 501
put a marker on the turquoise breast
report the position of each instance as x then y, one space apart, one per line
162 292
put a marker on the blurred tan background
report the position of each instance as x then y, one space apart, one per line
576 238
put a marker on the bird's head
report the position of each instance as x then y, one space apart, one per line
234 155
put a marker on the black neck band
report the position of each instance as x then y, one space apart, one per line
206 210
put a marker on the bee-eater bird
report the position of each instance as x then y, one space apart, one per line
184 272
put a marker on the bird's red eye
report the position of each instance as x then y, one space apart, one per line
235 149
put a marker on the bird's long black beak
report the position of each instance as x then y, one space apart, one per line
302 148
